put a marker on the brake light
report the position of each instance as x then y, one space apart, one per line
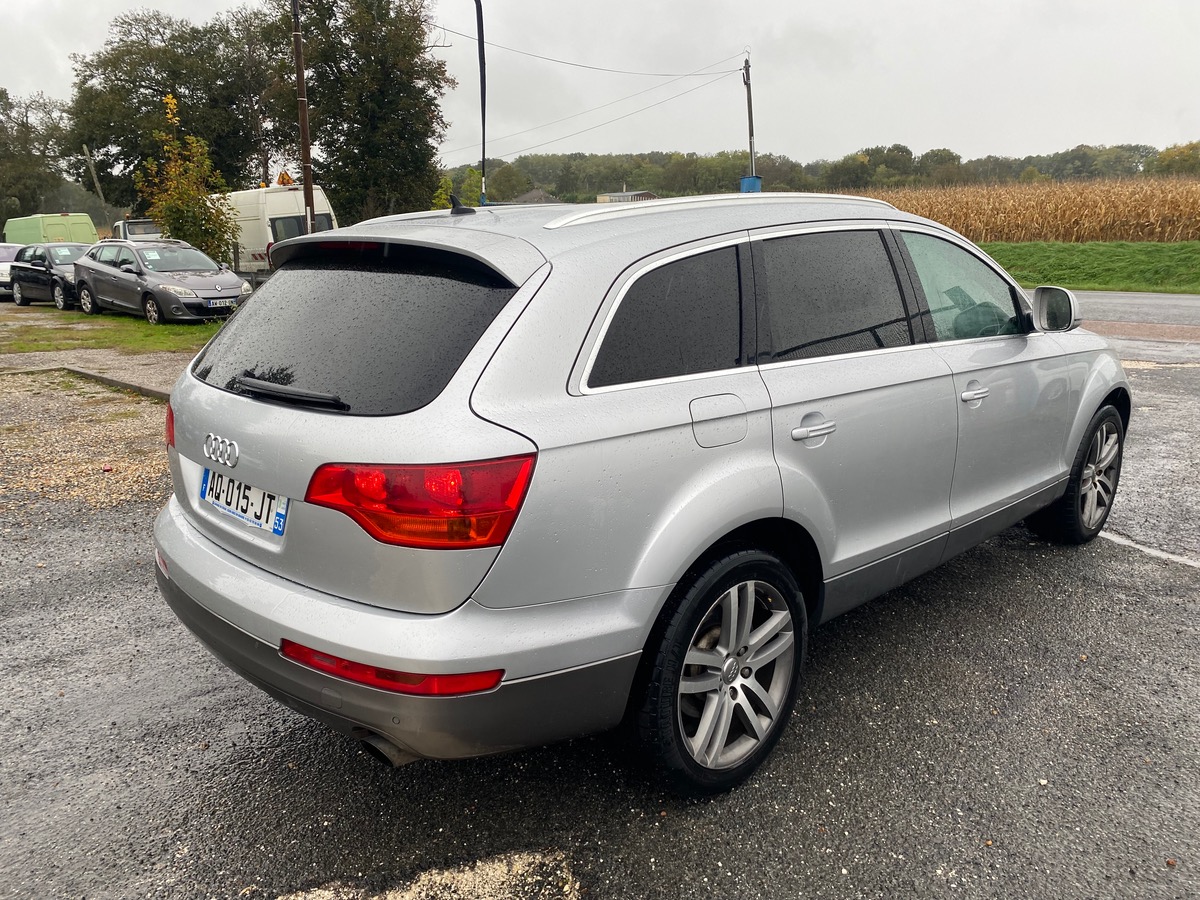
446 507
170 426
390 679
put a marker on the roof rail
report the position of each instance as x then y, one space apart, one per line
645 207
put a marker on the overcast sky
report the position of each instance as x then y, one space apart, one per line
1009 77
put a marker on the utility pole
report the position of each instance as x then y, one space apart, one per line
92 168
302 104
482 108
749 108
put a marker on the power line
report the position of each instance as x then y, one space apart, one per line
619 118
610 103
563 62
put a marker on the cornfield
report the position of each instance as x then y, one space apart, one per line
1144 209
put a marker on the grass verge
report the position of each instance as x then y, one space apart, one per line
49 329
1104 266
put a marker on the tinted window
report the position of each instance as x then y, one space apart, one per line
125 257
108 255
679 319
830 293
966 298
25 254
383 335
285 227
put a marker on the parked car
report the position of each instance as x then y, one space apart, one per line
459 483
45 272
163 280
8 252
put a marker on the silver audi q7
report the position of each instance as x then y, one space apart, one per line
456 483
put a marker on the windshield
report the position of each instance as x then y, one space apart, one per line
134 227
66 253
177 259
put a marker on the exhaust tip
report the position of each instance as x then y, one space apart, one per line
387 752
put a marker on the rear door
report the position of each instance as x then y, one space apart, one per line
104 277
864 423
1011 385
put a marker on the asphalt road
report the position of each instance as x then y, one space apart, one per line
1022 722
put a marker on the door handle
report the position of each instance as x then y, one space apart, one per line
814 431
971 396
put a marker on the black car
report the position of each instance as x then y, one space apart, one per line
45 272
163 280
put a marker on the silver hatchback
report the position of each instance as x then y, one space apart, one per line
457 483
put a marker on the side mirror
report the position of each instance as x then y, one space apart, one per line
128 269
1055 309
225 267
45 264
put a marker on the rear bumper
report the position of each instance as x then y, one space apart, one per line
240 613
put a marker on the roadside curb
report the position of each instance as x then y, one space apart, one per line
150 392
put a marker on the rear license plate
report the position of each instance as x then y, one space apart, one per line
245 502
228 301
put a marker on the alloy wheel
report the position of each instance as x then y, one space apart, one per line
737 675
1098 481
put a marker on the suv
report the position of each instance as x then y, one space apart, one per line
163 280
456 484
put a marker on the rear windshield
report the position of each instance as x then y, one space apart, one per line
8 254
383 336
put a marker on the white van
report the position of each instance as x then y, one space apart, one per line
271 214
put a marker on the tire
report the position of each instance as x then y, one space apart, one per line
1079 515
87 301
721 686
152 311
59 295
19 297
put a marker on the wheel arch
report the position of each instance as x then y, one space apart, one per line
784 538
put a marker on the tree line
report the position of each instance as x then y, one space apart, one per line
579 177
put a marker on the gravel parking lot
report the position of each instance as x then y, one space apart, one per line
1022 722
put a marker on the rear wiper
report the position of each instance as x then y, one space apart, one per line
286 394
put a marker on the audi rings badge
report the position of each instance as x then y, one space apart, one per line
218 449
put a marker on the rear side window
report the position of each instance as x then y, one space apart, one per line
681 318
382 334
829 293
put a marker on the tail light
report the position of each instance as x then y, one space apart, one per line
170 425
446 507
389 679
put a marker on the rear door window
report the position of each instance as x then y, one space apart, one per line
383 331
682 318
828 293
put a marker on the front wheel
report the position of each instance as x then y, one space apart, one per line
59 295
153 314
19 297
87 302
1079 514
724 678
